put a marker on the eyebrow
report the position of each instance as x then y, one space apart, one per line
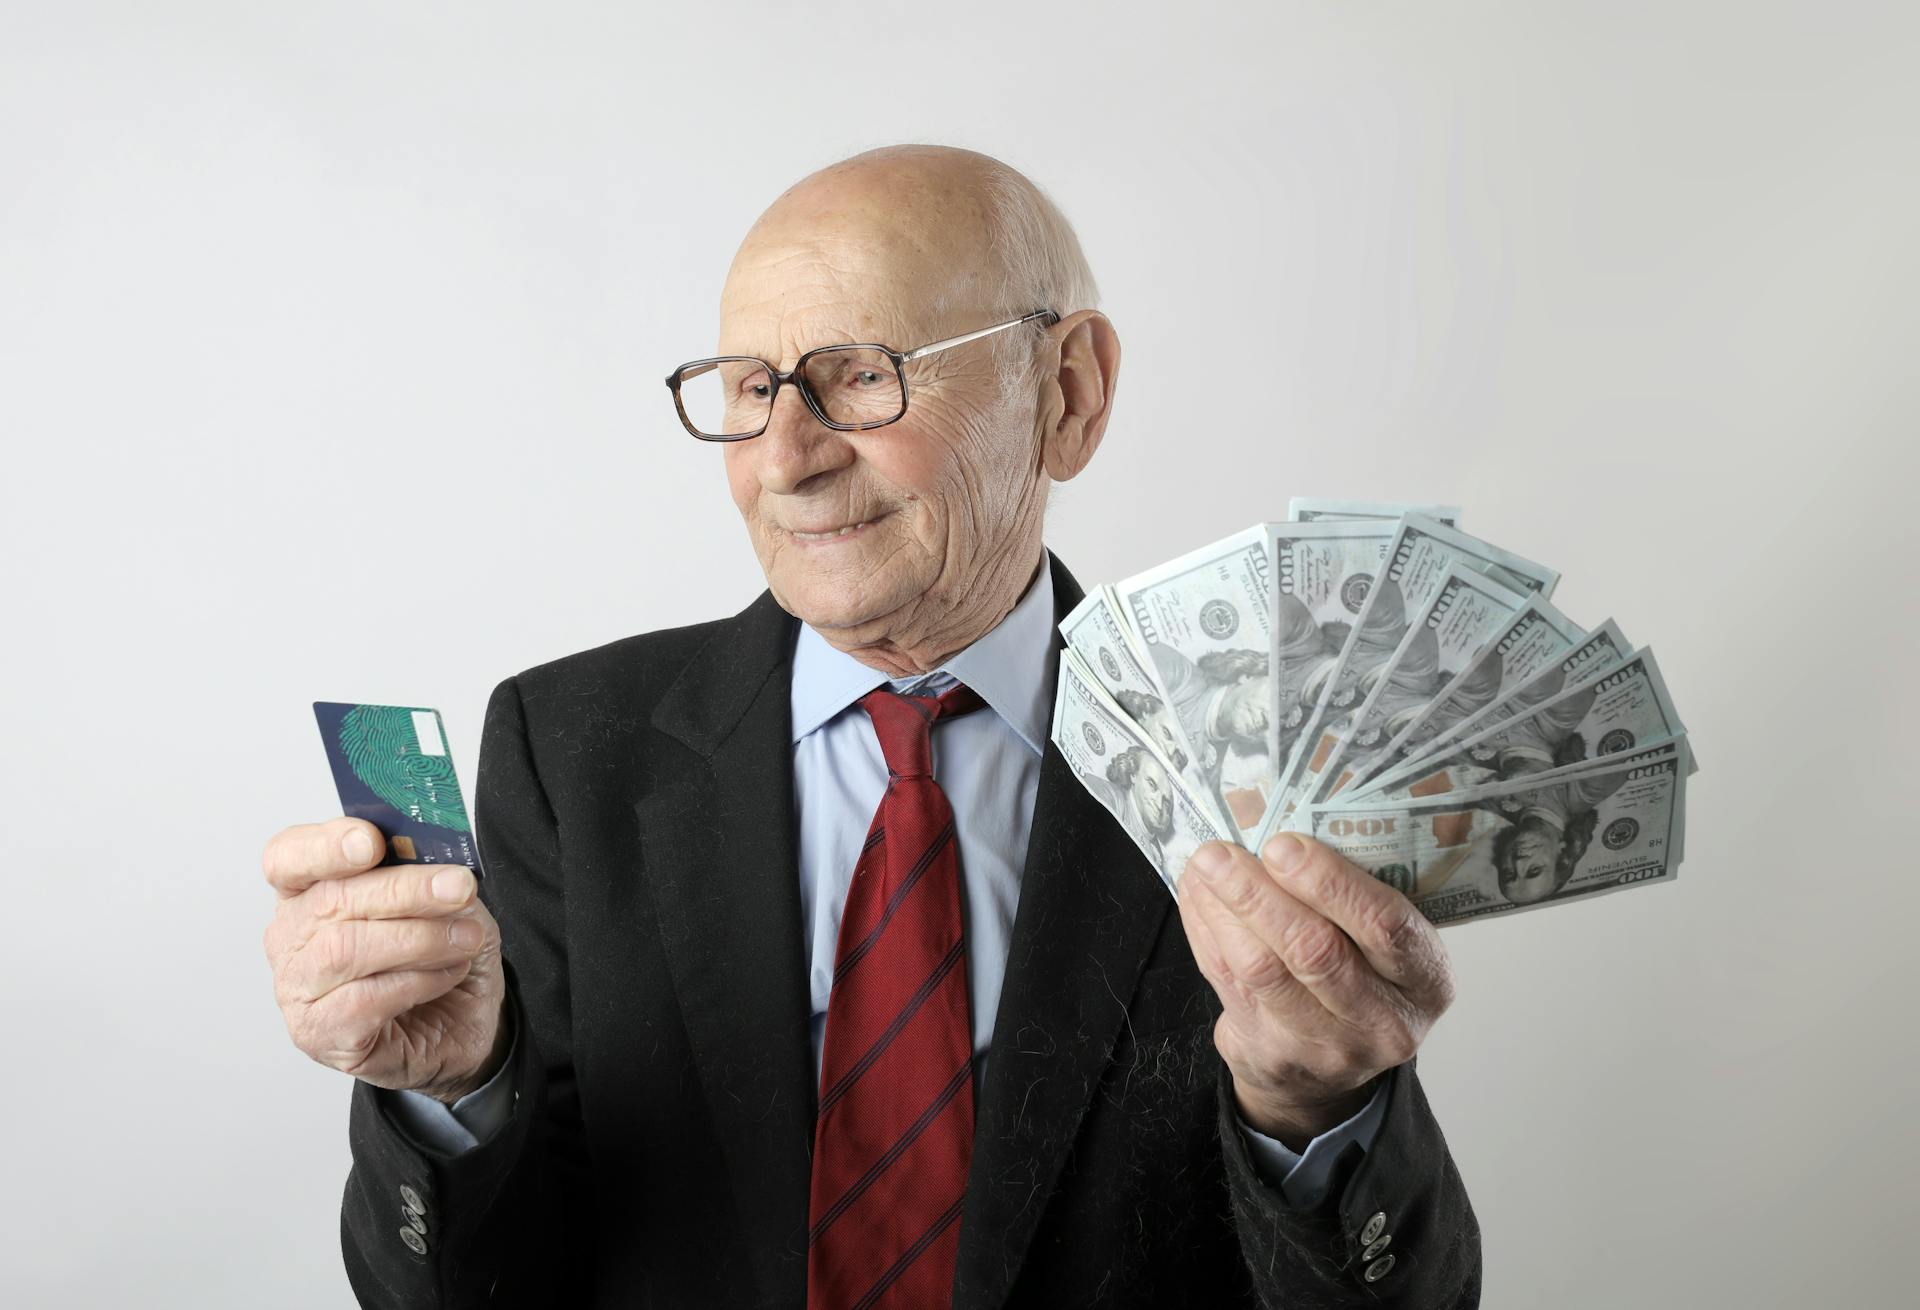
814 343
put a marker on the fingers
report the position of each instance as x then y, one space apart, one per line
354 1014
1273 944
1392 935
397 891
1208 953
404 891
307 853
352 949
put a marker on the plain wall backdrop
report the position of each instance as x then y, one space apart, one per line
331 346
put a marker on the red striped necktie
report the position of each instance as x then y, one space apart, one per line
895 1128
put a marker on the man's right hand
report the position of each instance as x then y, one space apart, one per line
391 973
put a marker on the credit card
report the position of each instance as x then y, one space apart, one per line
392 768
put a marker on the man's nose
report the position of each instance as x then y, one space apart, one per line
797 447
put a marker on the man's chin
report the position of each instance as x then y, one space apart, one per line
834 604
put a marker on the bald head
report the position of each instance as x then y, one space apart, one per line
956 239
927 199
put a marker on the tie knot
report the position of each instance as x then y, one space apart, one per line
904 725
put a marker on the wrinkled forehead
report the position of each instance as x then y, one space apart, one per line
816 276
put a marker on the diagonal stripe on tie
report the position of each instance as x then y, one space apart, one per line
913 703
879 1048
911 1254
894 1152
857 953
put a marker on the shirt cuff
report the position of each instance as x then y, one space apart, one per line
469 1121
1301 1179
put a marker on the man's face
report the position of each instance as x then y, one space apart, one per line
861 531
1243 712
1530 876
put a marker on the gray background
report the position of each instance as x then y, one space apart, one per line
332 339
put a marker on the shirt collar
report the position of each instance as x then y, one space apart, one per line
1011 667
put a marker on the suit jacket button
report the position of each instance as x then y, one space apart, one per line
418 1244
1373 1248
1379 1269
413 1201
415 1220
1375 1226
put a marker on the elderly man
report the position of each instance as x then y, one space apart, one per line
805 972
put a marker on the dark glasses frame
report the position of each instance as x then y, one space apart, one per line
900 359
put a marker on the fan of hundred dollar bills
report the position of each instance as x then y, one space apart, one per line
1373 676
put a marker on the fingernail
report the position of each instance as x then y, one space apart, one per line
450 885
356 845
465 935
1212 860
1286 852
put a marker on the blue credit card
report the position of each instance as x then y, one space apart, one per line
392 768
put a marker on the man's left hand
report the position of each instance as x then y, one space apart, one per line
1327 978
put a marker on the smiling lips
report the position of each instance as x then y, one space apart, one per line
831 534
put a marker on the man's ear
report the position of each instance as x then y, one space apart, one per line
1077 399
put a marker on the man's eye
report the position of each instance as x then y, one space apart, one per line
866 377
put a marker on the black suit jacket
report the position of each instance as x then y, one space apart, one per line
636 823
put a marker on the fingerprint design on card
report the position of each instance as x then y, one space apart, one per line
403 759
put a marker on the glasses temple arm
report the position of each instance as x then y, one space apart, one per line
965 337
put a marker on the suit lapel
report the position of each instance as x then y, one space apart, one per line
719 848
1089 913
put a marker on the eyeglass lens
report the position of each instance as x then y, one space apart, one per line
731 398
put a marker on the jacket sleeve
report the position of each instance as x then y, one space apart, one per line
494 1225
1401 1199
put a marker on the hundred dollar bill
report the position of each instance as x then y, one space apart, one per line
1127 775
1202 620
1319 509
1101 638
1417 561
1322 573
1466 608
1573 833
1625 708
1598 651
1536 633
1680 748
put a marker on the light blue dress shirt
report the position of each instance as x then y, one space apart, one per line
988 762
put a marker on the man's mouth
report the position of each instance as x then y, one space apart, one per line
832 534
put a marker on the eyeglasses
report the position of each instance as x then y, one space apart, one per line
849 388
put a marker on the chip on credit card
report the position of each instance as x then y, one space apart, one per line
393 769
